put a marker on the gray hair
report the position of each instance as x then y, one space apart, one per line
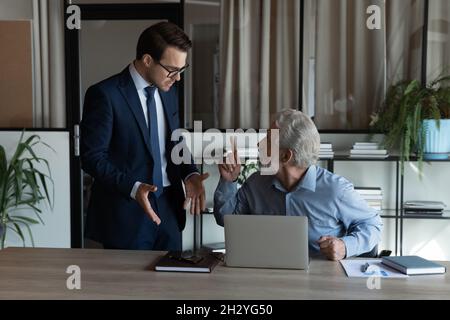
299 134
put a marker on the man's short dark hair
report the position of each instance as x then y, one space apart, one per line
155 39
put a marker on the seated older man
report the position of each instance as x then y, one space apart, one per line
341 224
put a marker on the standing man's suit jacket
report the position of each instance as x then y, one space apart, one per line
115 150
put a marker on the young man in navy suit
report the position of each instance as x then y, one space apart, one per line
138 201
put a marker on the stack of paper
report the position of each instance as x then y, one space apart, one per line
373 196
326 151
371 150
356 268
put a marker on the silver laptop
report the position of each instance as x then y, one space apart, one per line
257 241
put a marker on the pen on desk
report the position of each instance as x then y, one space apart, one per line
364 267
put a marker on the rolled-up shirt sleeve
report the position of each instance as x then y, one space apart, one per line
229 200
363 224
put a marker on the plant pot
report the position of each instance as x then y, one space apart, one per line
437 140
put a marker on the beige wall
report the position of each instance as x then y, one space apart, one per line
16 104
16 87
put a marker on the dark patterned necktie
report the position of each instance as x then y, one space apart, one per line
154 139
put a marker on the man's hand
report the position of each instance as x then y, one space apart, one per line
142 198
231 167
333 248
195 193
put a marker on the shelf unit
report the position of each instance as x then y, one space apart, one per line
397 214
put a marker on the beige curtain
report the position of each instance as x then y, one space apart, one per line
438 55
404 30
259 48
49 75
309 57
347 67
350 64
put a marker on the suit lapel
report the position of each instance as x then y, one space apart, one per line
130 94
166 98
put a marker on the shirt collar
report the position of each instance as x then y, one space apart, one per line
307 182
139 82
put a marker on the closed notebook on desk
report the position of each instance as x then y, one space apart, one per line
175 262
413 265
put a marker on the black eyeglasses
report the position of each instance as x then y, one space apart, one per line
173 73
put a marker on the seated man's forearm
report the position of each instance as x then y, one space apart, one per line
225 199
363 237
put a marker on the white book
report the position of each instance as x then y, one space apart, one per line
327 153
366 144
363 190
368 156
371 152
372 197
362 193
358 147
437 205
375 202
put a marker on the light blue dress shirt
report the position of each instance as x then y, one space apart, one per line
329 201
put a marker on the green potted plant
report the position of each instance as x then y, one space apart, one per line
416 119
249 168
22 186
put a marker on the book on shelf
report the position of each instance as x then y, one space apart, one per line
424 205
369 156
376 206
368 147
369 190
368 152
424 213
366 144
326 155
413 265
373 202
372 196
178 261
326 151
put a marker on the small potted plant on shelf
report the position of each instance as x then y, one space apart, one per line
249 168
22 186
416 119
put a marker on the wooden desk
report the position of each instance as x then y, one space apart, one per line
109 274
